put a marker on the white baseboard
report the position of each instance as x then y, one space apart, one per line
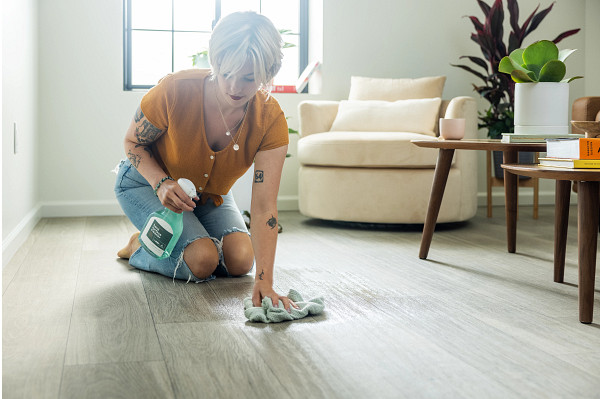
290 202
81 208
287 203
525 198
112 208
19 234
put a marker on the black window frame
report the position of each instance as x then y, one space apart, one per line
127 45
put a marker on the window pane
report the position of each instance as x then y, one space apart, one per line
151 14
283 13
288 74
194 15
150 57
186 45
229 6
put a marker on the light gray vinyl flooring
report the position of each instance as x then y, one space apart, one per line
472 321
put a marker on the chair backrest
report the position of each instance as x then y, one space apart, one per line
585 109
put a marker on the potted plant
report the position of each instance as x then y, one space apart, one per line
541 91
498 88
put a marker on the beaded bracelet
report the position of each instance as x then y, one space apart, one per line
161 182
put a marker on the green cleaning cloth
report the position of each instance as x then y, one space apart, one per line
267 313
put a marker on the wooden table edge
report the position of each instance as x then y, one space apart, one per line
555 173
481 144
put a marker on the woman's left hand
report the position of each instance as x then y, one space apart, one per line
263 289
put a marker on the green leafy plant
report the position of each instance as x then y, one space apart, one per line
284 32
539 62
200 58
497 87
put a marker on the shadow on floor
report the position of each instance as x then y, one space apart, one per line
398 227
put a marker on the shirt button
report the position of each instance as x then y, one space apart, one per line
212 157
199 188
206 175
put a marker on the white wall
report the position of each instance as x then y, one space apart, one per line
83 111
592 48
20 194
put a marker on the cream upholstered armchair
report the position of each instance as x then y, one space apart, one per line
358 163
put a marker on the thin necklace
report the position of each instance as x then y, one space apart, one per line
228 132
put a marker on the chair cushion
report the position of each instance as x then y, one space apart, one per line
366 149
362 88
418 116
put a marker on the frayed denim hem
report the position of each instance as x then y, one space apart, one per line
191 276
117 167
222 264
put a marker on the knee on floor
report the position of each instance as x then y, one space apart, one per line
238 259
202 257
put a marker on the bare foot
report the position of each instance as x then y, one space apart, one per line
130 248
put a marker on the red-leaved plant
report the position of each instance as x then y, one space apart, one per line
498 88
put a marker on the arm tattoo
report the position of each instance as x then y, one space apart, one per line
134 159
146 148
138 115
259 176
262 273
272 223
146 133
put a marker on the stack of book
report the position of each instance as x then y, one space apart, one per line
577 153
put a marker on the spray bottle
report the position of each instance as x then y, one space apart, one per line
163 228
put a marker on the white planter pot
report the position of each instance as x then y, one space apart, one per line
542 108
242 190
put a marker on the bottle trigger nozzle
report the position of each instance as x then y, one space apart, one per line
187 186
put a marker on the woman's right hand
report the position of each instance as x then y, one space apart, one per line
174 198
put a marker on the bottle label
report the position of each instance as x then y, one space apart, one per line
156 235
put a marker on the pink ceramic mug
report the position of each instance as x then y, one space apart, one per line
452 129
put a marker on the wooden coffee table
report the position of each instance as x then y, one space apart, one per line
587 224
442 168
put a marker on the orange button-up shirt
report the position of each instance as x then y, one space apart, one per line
175 105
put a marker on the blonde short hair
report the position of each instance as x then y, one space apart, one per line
243 36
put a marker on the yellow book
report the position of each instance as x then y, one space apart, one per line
571 163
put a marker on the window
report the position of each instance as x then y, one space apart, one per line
161 36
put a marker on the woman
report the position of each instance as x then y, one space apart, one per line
209 127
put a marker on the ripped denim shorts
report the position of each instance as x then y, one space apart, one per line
137 199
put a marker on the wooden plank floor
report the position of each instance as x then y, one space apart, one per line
472 321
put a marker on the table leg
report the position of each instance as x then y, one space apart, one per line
562 200
587 236
440 177
511 182
488 169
